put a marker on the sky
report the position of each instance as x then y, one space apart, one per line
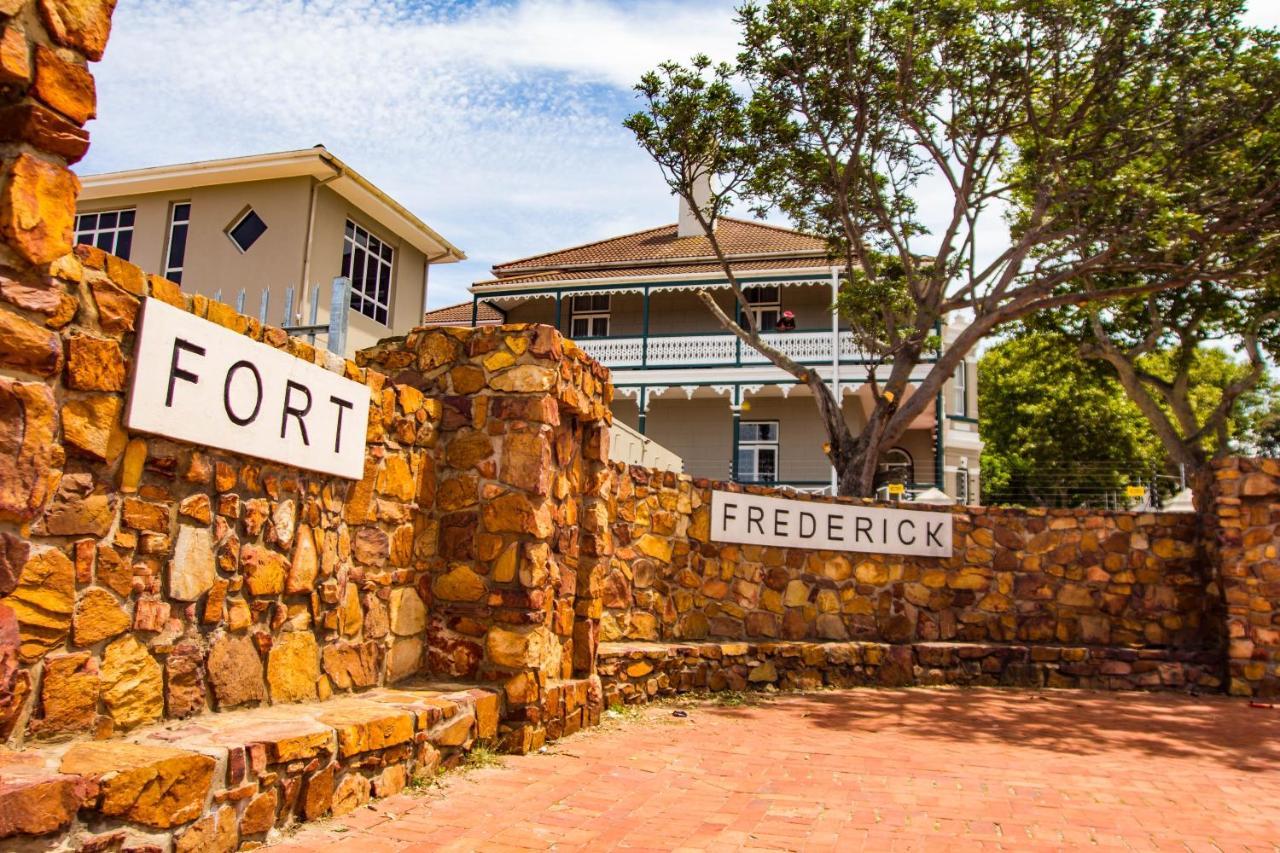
497 123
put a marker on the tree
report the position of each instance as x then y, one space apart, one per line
1058 430
1038 120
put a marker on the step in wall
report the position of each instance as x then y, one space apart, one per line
639 671
232 780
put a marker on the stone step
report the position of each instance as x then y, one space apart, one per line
226 780
638 671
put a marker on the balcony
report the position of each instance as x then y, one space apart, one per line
811 346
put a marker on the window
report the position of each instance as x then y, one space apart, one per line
766 305
589 316
247 230
757 452
179 219
109 230
960 390
897 467
368 262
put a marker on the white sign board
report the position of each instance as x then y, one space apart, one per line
196 381
786 523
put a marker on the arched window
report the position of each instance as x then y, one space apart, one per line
896 466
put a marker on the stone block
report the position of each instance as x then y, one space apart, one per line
156 786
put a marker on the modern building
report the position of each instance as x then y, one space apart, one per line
681 380
270 222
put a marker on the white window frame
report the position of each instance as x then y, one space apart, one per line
960 390
94 236
235 223
962 486
359 242
753 448
172 272
596 319
760 306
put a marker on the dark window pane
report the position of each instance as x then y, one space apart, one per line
181 212
177 246
578 329
346 259
600 328
371 277
105 241
248 230
384 285
124 242
351 230
126 217
386 253
362 238
84 237
580 303
107 220
175 276
87 222
357 270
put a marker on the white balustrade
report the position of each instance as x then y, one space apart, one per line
713 350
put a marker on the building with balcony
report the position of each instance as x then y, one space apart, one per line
631 302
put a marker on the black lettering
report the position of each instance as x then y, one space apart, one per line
176 372
780 521
906 522
813 525
289 387
226 393
884 531
931 534
835 525
861 527
755 515
337 434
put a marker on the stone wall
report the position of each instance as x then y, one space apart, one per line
1244 538
1059 577
512 507
148 579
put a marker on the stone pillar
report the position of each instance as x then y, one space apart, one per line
1244 548
46 96
515 520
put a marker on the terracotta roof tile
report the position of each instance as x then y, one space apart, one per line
737 237
460 315
655 270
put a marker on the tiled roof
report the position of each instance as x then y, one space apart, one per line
817 262
737 237
460 315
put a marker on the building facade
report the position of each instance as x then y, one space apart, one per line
268 223
680 379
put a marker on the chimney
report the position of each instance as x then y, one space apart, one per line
687 225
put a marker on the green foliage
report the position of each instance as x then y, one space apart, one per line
1058 429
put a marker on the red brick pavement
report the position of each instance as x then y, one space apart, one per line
866 770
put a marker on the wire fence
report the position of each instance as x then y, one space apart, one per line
1097 484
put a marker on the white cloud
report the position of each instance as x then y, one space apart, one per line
499 124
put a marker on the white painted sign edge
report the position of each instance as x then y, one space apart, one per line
746 519
144 411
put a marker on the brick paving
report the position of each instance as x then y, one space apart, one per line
865 770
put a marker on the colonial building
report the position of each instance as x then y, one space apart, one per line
681 380
270 222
